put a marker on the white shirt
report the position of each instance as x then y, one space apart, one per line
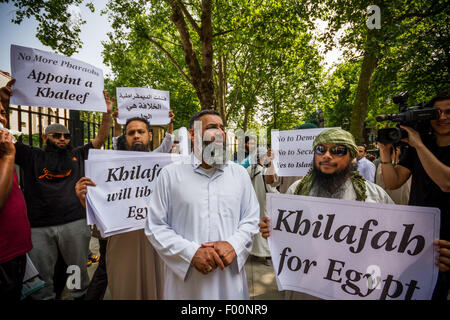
366 169
188 208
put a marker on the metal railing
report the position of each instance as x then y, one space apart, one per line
32 121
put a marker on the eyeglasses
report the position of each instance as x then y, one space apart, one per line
446 112
58 135
334 150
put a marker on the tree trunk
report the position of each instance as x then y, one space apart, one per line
360 104
207 85
221 90
246 114
201 76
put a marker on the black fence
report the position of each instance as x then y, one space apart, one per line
32 121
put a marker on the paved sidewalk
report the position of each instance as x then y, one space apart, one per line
260 278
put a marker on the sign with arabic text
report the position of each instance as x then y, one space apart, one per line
151 104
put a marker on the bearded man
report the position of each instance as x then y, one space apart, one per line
58 221
204 215
333 176
133 269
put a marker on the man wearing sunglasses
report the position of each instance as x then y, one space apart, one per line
333 175
428 162
57 219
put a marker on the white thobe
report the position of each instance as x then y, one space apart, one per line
366 169
188 208
260 245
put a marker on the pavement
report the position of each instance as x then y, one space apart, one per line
260 278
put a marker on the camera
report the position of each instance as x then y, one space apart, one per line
417 117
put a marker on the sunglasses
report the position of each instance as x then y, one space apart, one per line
58 135
334 150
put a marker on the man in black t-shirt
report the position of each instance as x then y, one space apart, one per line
428 162
57 219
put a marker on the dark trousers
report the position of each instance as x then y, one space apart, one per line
11 278
99 282
442 286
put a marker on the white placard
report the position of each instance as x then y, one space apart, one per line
293 151
183 138
339 249
151 104
46 79
119 201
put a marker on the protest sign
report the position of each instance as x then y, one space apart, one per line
293 152
119 201
151 104
183 138
341 249
46 79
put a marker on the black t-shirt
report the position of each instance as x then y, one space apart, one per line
50 198
424 192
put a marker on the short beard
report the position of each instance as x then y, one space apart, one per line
330 185
138 147
53 147
59 160
213 155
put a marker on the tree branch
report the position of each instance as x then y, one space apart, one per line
174 62
189 17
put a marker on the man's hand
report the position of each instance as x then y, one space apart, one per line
443 262
109 102
81 189
224 250
7 148
6 93
264 227
172 117
385 151
414 139
206 260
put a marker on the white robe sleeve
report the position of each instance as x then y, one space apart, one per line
176 251
242 239
166 144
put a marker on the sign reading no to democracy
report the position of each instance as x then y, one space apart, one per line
45 79
341 249
293 151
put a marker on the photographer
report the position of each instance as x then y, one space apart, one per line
428 161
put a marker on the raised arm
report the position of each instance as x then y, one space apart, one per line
103 131
393 177
7 154
435 169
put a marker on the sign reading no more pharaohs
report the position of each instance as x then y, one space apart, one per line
151 104
46 79
341 249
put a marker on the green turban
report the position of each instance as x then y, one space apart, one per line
339 137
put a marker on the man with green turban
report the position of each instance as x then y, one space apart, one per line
333 175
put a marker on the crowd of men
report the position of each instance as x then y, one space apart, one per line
203 216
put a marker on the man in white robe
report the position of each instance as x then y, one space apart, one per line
204 215
260 173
